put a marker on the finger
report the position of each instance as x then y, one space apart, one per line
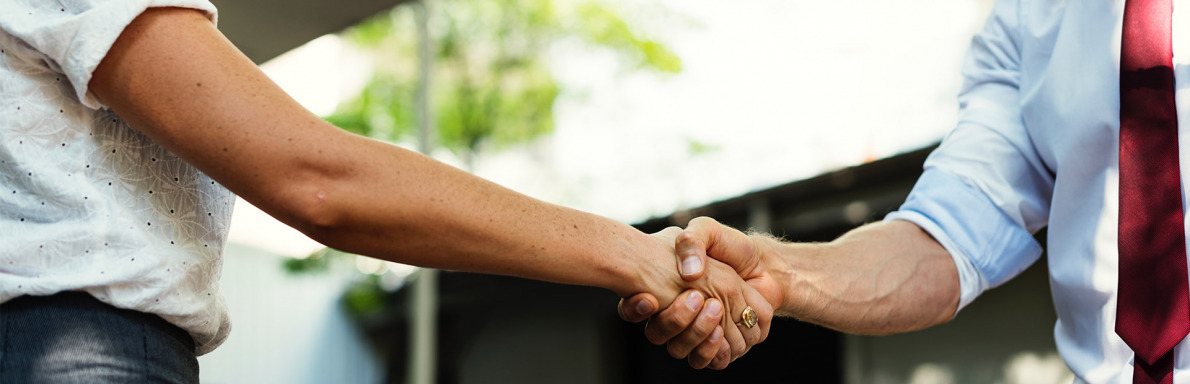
705 237
734 302
702 356
743 299
764 317
638 307
708 319
689 247
689 270
673 320
736 341
722 358
739 298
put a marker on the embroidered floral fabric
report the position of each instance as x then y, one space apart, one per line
86 202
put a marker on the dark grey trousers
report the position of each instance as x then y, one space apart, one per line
71 337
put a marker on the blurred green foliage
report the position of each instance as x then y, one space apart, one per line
491 83
317 262
491 86
696 147
365 297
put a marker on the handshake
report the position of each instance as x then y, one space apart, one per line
722 304
881 278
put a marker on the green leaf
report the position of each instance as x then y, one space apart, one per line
491 84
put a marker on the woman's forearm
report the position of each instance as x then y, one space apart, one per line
431 214
881 278
411 209
174 77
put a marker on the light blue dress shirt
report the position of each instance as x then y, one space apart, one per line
1037 144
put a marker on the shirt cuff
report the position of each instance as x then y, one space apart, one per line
988 247
971 282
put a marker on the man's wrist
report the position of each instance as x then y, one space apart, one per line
771 254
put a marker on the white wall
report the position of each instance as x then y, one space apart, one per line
1005 336
285 329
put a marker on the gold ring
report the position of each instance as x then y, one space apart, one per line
747 318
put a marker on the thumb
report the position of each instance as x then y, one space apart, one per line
691 263
691 260
637 308
705 237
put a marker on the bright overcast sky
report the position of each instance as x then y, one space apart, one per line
782 90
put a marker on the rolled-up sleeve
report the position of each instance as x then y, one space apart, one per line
72 37
985 191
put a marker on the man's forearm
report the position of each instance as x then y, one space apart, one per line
881 278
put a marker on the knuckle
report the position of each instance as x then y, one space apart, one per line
764 333
752 337
653 335
705 325
700 358
656 340
720 361
738 349
681 315
662 329
624 313
653 338
667 324
676 351
702 330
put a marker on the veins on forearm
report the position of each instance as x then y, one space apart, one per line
870 281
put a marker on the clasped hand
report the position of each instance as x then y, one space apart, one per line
703 324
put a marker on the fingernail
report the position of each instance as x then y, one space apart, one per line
714 308
694 301
644 308
716 334
690 266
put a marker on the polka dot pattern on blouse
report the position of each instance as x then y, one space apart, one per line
87 202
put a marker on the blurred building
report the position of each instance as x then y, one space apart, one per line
507 330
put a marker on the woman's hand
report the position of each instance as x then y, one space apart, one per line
701 324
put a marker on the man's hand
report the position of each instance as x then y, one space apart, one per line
879 279
705 237
685 327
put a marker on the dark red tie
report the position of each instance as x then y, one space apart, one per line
1153 307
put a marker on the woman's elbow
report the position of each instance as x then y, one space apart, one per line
310 208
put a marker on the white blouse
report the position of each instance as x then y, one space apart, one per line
86 202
